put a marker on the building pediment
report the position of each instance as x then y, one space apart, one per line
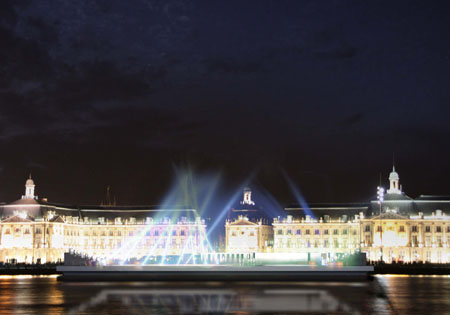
17 218
242 222
57 219
390 216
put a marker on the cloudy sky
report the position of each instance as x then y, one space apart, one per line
121 93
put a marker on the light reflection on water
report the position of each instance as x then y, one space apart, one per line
386 294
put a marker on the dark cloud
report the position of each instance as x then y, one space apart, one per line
117 92
235 67
352 119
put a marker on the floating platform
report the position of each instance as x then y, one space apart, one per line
215 273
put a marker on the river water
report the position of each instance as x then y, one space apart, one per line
387 294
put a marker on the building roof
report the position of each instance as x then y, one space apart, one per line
396 197
390 216
24 201
37 209
242 221
334 211
433 198
17 218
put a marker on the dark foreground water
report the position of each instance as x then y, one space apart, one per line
384 295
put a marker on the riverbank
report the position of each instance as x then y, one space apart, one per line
25 269
412 269
401 269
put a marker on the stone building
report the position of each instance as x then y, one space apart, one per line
245 236
33 230
327 237
396 228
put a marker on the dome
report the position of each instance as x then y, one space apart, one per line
29 182
393 175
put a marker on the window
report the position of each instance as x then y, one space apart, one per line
317 232
368 241
427 241
156 233
307 232
427 228
298 232
402 228
414 228
414 240
111 233
379 228
438 229
325 232
252 233
289 232
335 232
344 231
439 241
182 232
448 229
148 233
367 228
325 243
174 233
38 231
336 243
233 233
308 243
280 232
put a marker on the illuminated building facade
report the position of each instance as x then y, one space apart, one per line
37 231
398 228
394 228
327 237
244 236
248 230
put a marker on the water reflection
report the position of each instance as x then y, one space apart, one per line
386 294
417 294
188 301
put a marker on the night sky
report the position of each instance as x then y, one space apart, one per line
128 93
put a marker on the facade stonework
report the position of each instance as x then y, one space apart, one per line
395 228
244 236
32 231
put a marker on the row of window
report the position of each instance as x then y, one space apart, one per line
414 228
147 233
26 231
315 244
316 232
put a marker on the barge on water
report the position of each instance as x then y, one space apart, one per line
214 273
